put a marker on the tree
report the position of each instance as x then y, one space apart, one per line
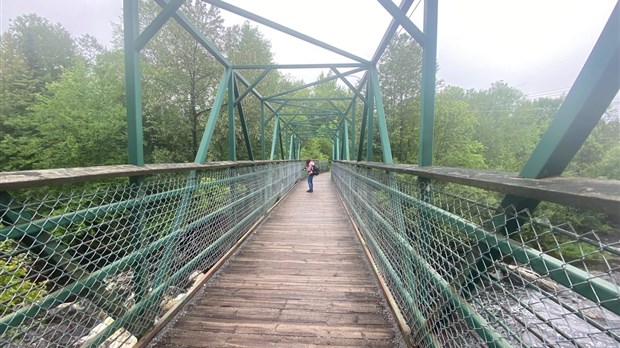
400 70
179 82
454 143
34 54
80 121
46 49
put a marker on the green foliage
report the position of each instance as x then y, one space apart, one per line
400 73
34 54
16 291
77 126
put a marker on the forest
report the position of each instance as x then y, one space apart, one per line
62 104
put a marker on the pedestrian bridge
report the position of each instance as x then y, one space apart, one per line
211 254
238 254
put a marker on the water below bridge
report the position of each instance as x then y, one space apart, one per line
301 279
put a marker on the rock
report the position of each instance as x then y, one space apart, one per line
121 338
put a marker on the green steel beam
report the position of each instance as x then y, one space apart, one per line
353 126
281 147
274 139
381 122
157 23
249 88
262 130
346 82
405 5
584 105
296 66
330 78
362 131
316 99
595 87
232 134
133 85
246 14
305 107
291 147
201 155
244 126
429 71
370 125
195 33
405 22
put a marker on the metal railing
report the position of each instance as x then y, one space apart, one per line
102 261
459 279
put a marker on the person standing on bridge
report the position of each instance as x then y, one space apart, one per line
310 169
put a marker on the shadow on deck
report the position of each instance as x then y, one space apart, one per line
301 279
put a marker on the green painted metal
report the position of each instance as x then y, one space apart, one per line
327 79
346 82
405 22
274 139
353 125
429 71
347 151
157 23
232 134
362 131
251 87
133 85
370 101
405 5
381 122
297 66
291 147
180 18
594 89
258 19
244 126
201 155
586 102
281 147
262 130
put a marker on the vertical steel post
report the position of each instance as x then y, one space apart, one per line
381 122
262 130
133 85
274 139
362 131
353 116
429 70
232 136
135 147
347 154
370 98
244 125
290 151
203 149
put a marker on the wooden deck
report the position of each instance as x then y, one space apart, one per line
300 280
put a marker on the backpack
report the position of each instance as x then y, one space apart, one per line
315 169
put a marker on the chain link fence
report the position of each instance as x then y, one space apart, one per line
100 263
461 280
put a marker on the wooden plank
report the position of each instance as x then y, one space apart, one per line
37 178
586 193
301 280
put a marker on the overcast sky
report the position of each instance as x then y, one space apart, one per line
538 46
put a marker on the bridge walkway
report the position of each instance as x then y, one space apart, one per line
296 281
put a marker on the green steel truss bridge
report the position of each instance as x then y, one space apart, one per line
231 254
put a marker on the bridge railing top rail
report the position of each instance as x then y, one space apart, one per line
592 194
45 177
